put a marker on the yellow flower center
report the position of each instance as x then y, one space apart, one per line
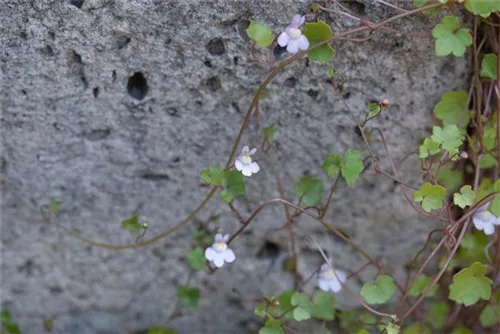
294 32
247 160
220 246
330 274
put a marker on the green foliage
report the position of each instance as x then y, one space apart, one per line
489 66
490 316
420 3
380 291
8 325
461 330
451 179
332 164
452 108
472 247
331 73
132 224
431 196
158 330
420 286
310 189
450 137
188 296
392 328
233 185
272 326
438 315
450 39
196 258
281 308
373 109
495 203
303 306
428 147
416 328
465 197
323 306
352 166
482 7
317 32
356 321
55 206
260 33
269 133
485 188
470 285
212 175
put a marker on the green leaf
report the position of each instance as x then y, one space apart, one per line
392 328
233 185
461 330
272 326
318 32
323 306
303 308
196 258
452 108
421 285
310 189
55 206
485 188
472 247
188 296
416 328
438 315
450 137
489 66
269 133
352 166
158 330
449 38
260 33
495 206
331 73
451 179
429 147
7 324
373 109
490 316
354 321
465 197
380 291
431 196
470 285
131 224
332 164
212 175
488 161
482 7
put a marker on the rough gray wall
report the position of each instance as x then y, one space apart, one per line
70 131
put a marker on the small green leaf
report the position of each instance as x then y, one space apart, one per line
272 326
380 291
488 161
450 39
233 185
260 310
318 32
55 206
451 179
461 330
482 7
421 285
332 164
352 166
485 188
188 296
269 133
310 189
392 328
465 197
373 109
196 258
324 306
131 224
452 108
260 33
431 196
490 316
416 328
158 330
212 175
438 315
472 247
331 73
284 304
489 66
303 306
495 206
429 147
470 285
450 137
7 324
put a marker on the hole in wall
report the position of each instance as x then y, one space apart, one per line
214 83
216 47
95 91
269 250
77 3
122 41
137 86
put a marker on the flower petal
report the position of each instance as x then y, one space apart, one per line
218 260
219 237
297 21
254 167
496 221
252 151
324 267
246 171
335 285
324 284
283 39
226 238
229 255
489 229
341 276
293 46
303 42
478 223
238 164
245 150
209 254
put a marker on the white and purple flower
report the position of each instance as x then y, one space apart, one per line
292 36
219 252
244 162
485 221
330 279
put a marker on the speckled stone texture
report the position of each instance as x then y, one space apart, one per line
72 129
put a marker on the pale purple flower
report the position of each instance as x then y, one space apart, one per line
330 279
485 221
292 36
219 252
244 162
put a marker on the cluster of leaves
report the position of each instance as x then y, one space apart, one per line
7 325
231 182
